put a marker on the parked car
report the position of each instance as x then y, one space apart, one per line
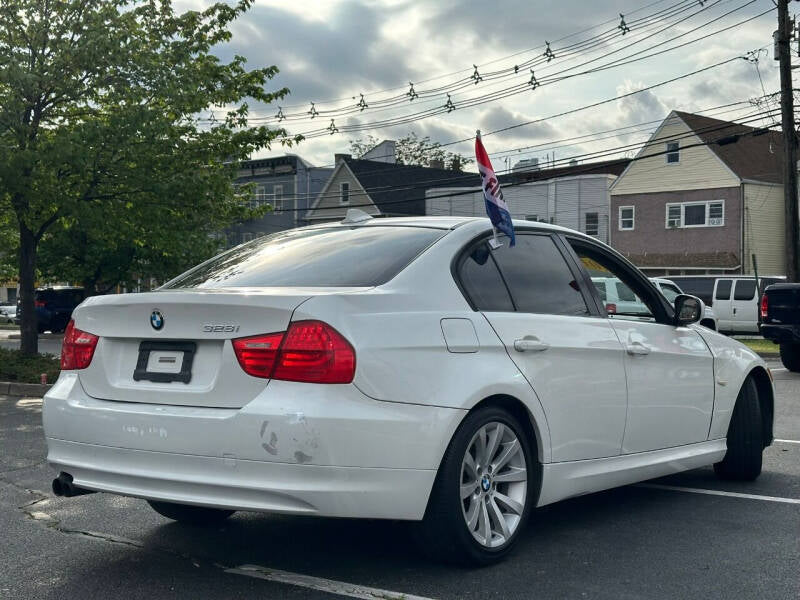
734 298
54 306
620 299
671 291
780 321
399 368
7 313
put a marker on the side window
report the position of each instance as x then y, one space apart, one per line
628 304
482 282
538 277
723 289
745 289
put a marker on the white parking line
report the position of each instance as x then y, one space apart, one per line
788 441
675 488
330 586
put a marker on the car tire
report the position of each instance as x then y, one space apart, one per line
445 533
191 515
790 356
742 461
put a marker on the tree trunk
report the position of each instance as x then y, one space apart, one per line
29 343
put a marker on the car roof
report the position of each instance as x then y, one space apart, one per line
445 222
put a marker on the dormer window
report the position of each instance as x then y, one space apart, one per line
673 152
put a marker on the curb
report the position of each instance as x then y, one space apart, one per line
13 388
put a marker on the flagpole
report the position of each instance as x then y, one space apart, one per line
495 243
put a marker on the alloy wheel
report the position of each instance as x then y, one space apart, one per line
494 484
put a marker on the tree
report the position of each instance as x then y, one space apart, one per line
412 150
117 118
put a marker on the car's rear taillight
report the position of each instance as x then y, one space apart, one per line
764 307
77 348
39 303
310 352
611 308
257 354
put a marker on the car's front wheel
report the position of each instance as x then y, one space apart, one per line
484 490
742 461
192 515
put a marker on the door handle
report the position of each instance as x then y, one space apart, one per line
734 310
637 348
530 343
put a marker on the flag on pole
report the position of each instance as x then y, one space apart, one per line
496 207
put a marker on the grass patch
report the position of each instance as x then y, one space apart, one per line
28 369
761 346
9 326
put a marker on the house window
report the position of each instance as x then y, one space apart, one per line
592 224
673 152
626 218
259 198
673 215
696 214
344 193
277 198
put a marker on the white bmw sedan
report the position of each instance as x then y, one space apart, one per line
399 368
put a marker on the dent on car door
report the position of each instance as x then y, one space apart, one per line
570 357
669 369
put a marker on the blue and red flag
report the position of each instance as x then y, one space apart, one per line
496 207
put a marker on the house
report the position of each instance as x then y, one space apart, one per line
574 196
701 197
288 183
380 187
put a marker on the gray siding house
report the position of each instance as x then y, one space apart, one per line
576 197
287 183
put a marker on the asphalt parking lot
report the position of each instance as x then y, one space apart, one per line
685 536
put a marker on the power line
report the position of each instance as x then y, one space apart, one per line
514 90
537 49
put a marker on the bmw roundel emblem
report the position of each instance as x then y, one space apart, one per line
157 320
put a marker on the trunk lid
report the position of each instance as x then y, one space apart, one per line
193 324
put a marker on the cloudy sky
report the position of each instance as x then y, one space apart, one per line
331 51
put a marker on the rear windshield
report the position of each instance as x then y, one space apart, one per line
335 257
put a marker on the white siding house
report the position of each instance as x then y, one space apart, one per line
579 202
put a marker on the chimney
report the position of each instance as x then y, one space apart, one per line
337 158
436 164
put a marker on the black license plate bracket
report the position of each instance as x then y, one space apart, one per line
188 349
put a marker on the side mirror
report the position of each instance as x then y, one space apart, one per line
688 310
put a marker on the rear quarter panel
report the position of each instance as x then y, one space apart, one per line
401 351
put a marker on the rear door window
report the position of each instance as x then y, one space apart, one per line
538 277
745 289
723 289
332 257
482 282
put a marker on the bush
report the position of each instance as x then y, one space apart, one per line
28 369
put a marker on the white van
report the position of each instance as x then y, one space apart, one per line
736 304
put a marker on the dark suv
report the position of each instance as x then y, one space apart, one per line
54 306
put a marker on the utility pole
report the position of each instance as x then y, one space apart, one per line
792 226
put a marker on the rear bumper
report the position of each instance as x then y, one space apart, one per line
781 333
296 448
245 484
